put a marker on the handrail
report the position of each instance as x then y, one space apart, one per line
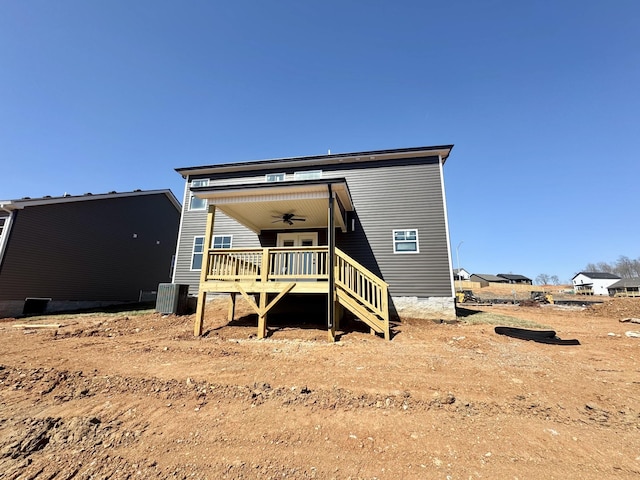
284 263
362 284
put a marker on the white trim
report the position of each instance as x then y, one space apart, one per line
4 235
193 253
183 210
405 252
446 226
213 240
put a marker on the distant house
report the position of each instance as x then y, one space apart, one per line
593 283
485 279
62 253
461 274
516 279
627 287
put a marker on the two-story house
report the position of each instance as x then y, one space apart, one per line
368 230
82 251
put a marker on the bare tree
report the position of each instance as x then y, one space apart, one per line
554 280
624 267
543 279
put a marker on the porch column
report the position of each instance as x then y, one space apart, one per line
202 294
331 247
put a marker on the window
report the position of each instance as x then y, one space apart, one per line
196 203
221 241
405 241
218 241
198 250
2 222
274 177
310 175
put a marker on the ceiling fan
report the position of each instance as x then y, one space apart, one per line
288 218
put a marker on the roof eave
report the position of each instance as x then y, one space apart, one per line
441 151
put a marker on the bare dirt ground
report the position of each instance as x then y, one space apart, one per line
135 395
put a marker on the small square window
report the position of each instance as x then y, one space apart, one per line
308 175
274 177
405 241
221 241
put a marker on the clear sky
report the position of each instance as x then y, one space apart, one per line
541 100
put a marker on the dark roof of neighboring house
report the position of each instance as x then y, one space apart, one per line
511 276
23 202
488 277
626 283
598 275
318 160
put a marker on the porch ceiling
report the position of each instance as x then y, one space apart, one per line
261 206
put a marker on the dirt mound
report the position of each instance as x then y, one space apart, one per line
618 307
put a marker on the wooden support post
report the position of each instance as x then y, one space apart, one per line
202 295
197 327
331 247
232 306
262 316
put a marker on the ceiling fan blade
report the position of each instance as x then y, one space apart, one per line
298 219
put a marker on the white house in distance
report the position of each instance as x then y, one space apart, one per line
593 283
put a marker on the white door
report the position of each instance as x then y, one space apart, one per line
298 239
300 262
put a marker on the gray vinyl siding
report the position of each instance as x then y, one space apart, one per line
193 225
86 250
399 194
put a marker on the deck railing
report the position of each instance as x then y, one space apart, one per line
268 264
362 284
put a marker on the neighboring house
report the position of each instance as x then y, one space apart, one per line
627 287
516 279
484 279
460 274
593 283
60 253
369 226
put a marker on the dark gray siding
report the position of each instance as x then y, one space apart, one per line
399 194
86 250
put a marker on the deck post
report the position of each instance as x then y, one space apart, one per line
232 306
202 294
331 247
262 316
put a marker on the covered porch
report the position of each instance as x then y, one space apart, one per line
263 276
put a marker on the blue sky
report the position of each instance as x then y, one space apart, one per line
541 100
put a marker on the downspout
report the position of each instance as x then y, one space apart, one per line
331 262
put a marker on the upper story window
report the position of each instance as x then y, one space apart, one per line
405 241
308 175
274 177
196 203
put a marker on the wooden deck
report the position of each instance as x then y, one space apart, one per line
259 272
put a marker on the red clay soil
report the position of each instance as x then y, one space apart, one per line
137 396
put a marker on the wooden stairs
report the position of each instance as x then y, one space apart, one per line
362 293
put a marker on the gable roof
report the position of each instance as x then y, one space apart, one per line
489 278
319 160
21 203
597 275
510 276
626 283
